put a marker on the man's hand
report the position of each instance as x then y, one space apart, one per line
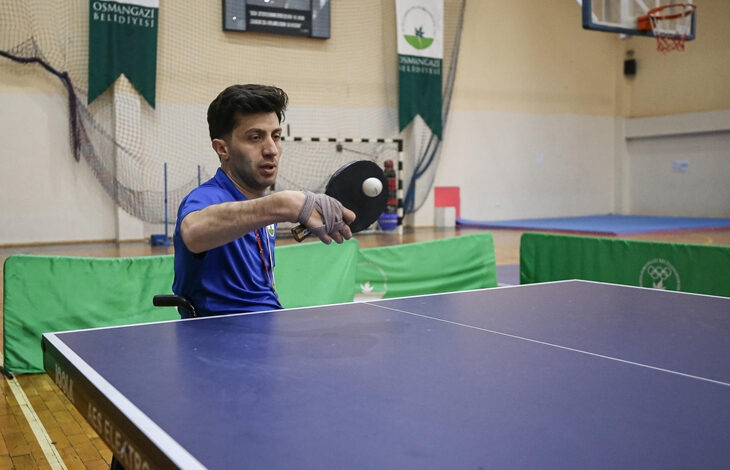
326 218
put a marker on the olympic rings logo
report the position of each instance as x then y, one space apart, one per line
656 274
659 272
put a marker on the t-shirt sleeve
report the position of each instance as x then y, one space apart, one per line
199 199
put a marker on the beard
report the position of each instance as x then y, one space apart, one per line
250 175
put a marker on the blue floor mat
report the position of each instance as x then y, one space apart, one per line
606 224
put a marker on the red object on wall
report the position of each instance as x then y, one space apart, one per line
447 196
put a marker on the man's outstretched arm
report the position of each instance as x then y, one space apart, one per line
222 223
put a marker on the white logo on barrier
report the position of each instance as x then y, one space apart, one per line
659 274
377 284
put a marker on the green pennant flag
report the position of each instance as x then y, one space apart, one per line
123 40
420 57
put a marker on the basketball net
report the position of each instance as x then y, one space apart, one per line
671 24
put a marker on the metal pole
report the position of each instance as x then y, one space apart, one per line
167 239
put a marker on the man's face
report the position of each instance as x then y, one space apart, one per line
250 156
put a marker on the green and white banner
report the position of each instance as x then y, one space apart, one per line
701 269
420 57
123 40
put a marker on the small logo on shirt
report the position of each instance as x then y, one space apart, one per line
271 230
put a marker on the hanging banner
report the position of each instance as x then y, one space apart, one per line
420 57
123 40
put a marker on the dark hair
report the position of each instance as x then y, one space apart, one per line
244 99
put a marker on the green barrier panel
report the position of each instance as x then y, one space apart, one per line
59 293
445 265
56 293
702 269
315 274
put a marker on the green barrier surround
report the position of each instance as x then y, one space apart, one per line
444 265
315 274
58 293
701 269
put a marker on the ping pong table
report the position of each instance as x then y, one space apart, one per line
569 374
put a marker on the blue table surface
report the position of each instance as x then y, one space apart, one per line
556 375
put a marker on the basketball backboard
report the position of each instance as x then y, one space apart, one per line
621 16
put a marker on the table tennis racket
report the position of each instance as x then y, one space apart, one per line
346 185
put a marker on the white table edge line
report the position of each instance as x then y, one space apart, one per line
167 445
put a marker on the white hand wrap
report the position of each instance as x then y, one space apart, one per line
328 208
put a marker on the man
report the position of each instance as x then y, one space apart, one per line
225 232
224 252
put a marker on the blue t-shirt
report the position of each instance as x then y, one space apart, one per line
232 278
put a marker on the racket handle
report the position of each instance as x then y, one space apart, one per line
300 232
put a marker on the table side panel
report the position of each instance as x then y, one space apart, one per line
132 448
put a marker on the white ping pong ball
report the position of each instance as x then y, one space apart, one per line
372 187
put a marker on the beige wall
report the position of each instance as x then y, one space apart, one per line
537 124
678 110
531 91
534 57
355 67
692 81
520 55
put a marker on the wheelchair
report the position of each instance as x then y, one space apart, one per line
184 306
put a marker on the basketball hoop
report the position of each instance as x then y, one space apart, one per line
671 24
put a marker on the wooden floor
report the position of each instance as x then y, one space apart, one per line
39 428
